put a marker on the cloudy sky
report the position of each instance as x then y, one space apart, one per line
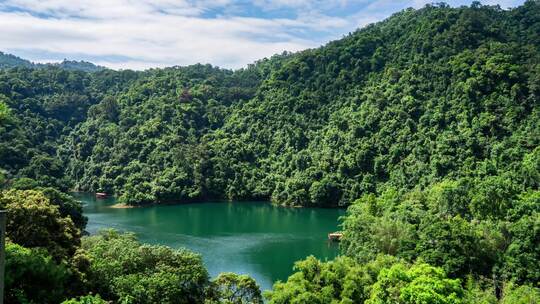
140 34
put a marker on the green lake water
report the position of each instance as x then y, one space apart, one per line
252 238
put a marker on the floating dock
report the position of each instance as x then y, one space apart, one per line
335 236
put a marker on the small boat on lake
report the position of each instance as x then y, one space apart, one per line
335 236
101 195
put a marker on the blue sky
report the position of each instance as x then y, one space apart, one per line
140 34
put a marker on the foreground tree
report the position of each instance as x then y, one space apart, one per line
86 300
232 288
122 269
339 281
421 283
33 277
34 222
521 295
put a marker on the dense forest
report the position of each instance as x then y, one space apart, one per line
426 126
422 96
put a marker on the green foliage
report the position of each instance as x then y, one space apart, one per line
123 270
24 183
521 295
479 292
147 144
9 61
452 244
86 300
67 206
45 105
339 281
32 276
405 102
232 288
420 283
523 253
443 226
388 280
33 221
5 113
383 280
3 180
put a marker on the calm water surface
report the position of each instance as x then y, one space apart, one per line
252 238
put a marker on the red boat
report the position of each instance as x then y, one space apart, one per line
101 195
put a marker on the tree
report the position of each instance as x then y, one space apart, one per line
420 283
5 113
89 299
452 245
522 255
24 183
67 206
338 281
32 276
237 289
3 180
34 222
122 269
492 197
46 170
449 198
521 295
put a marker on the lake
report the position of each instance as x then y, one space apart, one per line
254 238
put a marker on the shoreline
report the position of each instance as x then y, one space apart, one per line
173 203
123 206
126 206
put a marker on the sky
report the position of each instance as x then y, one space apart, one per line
141 34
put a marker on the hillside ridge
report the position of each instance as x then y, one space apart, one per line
8 61
424 95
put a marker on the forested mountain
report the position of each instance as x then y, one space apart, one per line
425 125
424 95
147 144
11 61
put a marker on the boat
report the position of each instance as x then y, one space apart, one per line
335 236
101 195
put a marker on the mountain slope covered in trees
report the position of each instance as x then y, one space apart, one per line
424 95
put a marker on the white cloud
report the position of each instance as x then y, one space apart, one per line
503 3
304 4
148 34
141 34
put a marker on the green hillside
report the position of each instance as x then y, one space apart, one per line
424 95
